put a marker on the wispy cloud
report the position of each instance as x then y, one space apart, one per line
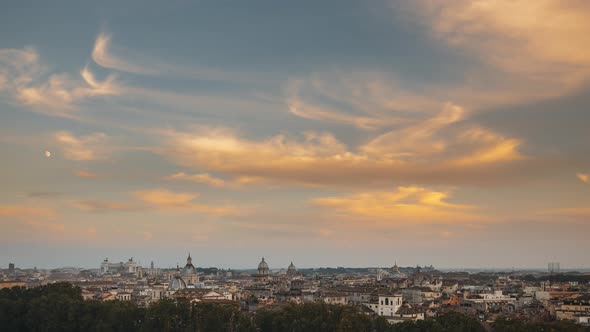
85 174
181 201
23 78
44 194
83 148
25 212
584 177
438 149
365 100
106 206
126 60
405 205
510 38
574 213
204 178
156 199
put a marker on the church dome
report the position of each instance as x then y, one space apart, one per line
263 267
176 283
189 269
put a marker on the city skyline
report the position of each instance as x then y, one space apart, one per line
338 133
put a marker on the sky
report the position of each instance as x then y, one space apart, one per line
327 133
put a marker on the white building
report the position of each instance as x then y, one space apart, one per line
129 267
387 304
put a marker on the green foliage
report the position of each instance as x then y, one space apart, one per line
312 317
517 325
60 307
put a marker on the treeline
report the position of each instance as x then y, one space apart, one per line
60 307
561 277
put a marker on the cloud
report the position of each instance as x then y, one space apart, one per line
133 62
29 220
105 206
584 177
85 174
204 178
102 56
23 78
83 148
365 100
182 201
529 49
439 149
44 194
575 213
25 212
406 204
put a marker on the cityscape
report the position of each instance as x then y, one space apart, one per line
397 294
297 166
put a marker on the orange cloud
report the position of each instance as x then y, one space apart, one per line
83 148
204 178
24 212
584 177
103 206
406 204
84 174
440 149
577 213
511 37
166 199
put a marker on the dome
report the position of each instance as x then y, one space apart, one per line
263 267
189 269
291 270
176 283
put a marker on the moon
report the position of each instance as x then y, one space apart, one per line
47 154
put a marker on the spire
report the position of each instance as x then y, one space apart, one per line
189 260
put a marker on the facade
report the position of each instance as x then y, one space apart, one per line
573 307
129 267
387 304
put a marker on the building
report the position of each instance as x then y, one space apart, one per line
573 307
176 283
129 267
263 269
291 270
396 273
386 303
11 268
189 272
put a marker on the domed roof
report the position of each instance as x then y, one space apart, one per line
291 267
262 264
263 267
176 283
189 269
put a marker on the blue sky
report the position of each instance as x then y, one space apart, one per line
336 133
